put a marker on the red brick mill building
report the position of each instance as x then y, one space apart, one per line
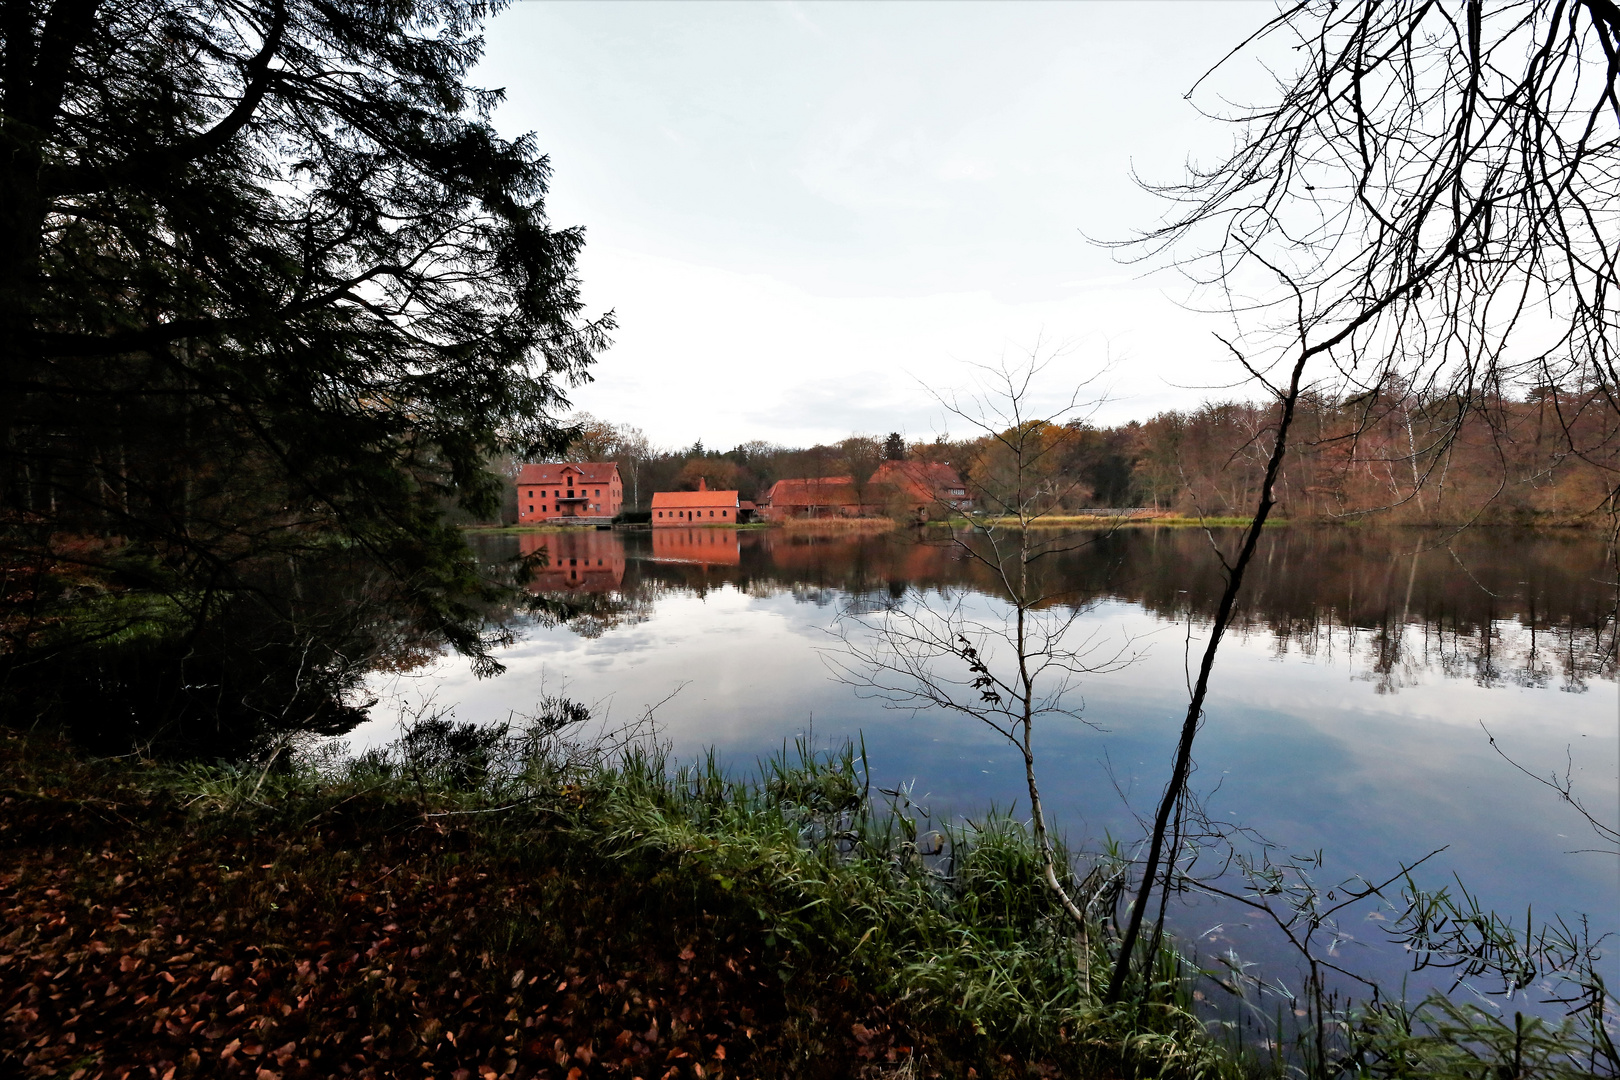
569 493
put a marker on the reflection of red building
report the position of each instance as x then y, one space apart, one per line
693 545
587 492
575 561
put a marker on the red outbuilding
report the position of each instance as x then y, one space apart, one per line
700 507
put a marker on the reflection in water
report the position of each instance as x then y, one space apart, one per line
575 561
1497 607
1345 715
703 547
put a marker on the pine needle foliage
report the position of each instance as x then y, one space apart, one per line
272 292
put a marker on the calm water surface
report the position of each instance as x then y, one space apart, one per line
1347 713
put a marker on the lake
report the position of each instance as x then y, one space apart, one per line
1347 714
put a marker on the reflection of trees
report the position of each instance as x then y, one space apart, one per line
573 579
1493 606
591 614
230 675
588 614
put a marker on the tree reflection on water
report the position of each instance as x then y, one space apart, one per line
1498 607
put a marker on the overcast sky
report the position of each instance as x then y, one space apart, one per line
798 211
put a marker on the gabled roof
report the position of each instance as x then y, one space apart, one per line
685 500
814 491
555 472
918 473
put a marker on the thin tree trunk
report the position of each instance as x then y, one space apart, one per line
1038 812
1195 708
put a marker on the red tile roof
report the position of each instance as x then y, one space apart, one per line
816 491
685 500
589 472
917 474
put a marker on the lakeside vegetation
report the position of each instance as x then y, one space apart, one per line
837 526
1097 521
457 902
511 902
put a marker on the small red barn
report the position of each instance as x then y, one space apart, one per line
702 506
817 497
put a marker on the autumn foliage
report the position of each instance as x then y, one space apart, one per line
1552 457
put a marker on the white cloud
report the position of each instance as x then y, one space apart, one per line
705 352
796 209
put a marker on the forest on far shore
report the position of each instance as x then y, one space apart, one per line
1546 457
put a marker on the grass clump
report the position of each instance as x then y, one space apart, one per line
830 526
1111 521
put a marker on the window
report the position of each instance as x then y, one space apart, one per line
599 492
660 513
531 508
711 513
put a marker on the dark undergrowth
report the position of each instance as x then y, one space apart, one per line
483 903
458 908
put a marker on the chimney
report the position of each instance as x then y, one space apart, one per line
703 484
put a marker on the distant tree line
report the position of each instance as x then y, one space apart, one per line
1550 454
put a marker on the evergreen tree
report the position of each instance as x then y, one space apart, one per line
271 286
